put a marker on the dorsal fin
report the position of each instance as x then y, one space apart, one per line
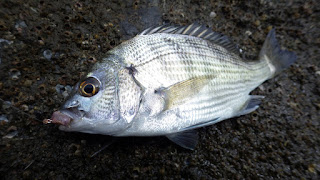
196 30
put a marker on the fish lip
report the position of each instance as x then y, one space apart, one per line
64 117
73 114
59 118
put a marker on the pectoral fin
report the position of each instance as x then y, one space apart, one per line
185 139
178 93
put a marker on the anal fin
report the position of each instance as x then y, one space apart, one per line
251 105
185 139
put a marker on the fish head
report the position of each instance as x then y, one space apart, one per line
93 105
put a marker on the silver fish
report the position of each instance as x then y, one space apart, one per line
167 81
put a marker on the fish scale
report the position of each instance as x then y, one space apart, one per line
169 80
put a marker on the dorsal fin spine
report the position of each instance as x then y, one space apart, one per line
195 30
203 32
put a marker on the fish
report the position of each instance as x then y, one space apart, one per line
168 81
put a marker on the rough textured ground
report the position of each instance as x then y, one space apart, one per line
46 46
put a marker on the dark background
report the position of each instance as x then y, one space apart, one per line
46 46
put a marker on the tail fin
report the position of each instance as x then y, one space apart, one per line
276 58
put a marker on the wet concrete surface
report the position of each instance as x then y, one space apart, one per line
46 46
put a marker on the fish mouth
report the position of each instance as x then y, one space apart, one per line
64 117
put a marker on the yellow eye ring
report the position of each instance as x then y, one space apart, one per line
89 87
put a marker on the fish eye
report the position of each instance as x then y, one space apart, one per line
89 87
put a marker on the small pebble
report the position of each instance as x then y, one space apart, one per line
6 105
311 168
4 41
65 94
28 82
257 23
68 88
213 14
47 54
10 135
249 33
34 10
3 119
60 88
85 43
12 128
92 60
57 55
78 152
24 107
20 24
63 90
14 74
261 87
269 28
